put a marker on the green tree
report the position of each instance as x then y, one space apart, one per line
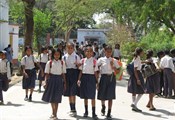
41 27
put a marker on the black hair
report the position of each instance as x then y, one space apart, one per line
9 45
87 47
160 53
137 52
56 50
43 48
149 54
108 47
28 47
167 52
104 45
172 51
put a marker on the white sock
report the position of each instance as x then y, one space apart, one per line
133 99
137 99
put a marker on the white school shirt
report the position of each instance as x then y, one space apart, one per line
57 68
43 58
137 63
70 60
116 53
88 66
105 65
5 67
28 62
167 62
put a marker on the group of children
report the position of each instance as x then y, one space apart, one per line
161 83
69 75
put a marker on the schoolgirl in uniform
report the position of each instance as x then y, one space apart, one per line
136 81
5 75
28 63
55 74
107 83
72 61
88 80
42 60
152 82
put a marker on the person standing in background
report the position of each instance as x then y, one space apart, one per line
117 53
166 64
9 56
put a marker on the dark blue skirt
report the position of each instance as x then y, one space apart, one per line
88 86
153 84
43 65
4 84
71 82
28 83
133 87
107 87
54 89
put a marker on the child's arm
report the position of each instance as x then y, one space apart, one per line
79 77
45 81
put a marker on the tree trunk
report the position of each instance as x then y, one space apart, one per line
67 35
29 22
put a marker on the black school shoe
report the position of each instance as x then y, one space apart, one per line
109 117
26 98
136 109
94 116
85 114
30 99
1 103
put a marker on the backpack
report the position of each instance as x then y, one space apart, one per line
149 70
130 68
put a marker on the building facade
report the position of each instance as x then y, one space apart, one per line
4 25
93 35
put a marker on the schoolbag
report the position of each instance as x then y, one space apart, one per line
148 70
130 68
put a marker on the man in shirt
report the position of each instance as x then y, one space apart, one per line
166 64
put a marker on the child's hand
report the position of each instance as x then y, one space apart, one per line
112 63
42 74
25 75
78 83
138 82
45 84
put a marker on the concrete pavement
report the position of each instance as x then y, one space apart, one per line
16 108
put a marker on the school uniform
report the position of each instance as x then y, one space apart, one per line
29 63
5 75
166 64
54 89
132 83
43 59
72 73
153 82
117 54
107 84
88 79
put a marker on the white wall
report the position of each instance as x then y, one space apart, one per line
96 33
4 29
14 32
